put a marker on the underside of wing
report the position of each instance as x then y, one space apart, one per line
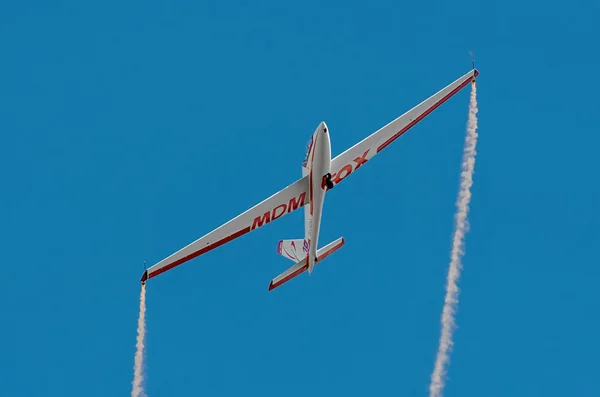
350 160
285 201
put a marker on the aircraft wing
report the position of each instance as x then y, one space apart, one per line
285 201
350 160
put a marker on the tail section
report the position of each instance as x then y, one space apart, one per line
291 249
301 266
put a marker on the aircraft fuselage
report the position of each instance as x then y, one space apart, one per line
317 166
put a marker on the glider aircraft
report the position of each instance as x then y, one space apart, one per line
320 174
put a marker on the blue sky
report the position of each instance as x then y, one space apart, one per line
129 129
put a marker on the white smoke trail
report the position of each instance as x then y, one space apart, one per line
138 369
462 209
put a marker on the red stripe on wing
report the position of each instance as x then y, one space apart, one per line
424 114
199 252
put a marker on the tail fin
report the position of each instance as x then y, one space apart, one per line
291 249
301 265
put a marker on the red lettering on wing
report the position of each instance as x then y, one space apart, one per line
258 221
361 160
279 211
347 169
294 204
281 207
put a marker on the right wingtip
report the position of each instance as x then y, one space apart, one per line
144 277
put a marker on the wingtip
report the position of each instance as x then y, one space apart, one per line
144 277
271 286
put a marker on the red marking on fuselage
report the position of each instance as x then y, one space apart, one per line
312 163
323 182
308 251
310 190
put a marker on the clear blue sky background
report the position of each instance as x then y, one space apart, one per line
129 129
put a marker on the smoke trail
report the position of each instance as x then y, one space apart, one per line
138 375
462 208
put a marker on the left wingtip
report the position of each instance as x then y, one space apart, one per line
144 277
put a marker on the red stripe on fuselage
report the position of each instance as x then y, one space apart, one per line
199 252
422 116
310 190
312 163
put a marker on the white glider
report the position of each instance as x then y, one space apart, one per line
319 174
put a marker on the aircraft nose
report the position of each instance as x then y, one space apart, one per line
324 127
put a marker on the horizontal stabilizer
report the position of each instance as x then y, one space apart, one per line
289 274
301 266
